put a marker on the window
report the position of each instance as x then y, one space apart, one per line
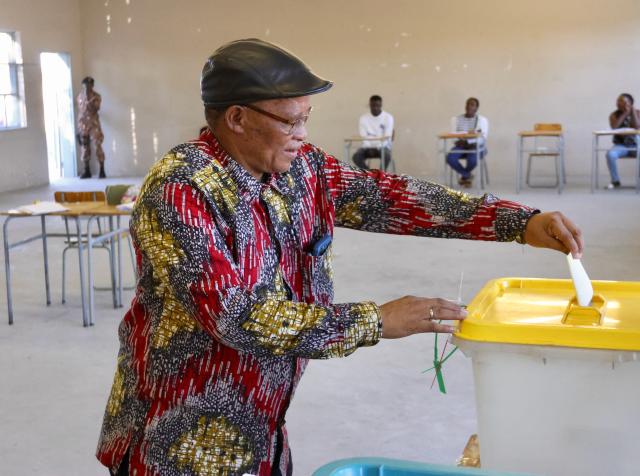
12 110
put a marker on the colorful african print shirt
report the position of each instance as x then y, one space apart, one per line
231 299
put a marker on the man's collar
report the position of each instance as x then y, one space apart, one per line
248 186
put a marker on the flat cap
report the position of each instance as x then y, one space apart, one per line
245 71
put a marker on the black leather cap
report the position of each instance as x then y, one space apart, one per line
245 71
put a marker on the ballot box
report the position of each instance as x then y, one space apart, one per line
557 385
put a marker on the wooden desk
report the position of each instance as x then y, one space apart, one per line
560 168
459 135
479 151
596 149
75 211
348 142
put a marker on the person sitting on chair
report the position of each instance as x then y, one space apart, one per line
623 146
377 123
470 122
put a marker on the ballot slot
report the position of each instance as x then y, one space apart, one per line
591 315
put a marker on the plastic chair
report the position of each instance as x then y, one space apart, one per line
557 152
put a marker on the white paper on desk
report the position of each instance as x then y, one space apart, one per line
41 208
581 281
125 207
624 129
620 129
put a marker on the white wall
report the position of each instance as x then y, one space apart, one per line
547 61
44 25
561 61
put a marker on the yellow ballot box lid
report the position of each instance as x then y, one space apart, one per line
533 311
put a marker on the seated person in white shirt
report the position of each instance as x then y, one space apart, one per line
377 123
465 149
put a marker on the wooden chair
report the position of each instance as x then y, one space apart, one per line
556 151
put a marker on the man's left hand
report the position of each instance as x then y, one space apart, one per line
554 230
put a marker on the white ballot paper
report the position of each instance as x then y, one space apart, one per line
581 281
42 208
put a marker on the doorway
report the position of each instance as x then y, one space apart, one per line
57 95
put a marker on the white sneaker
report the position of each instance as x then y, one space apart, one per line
613 185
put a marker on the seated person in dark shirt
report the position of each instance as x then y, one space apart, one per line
623 146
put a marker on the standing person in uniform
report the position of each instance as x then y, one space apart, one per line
89 126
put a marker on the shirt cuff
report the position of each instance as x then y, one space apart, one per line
365 328
511 223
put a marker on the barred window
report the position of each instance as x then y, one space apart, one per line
12 109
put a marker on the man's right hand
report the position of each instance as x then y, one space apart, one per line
413 315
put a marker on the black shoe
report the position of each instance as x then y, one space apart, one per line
466 182
86 173
102 174
613 185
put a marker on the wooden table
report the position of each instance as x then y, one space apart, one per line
348 142
75 211
595 150
479 149
560 169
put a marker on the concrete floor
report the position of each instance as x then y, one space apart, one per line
55 375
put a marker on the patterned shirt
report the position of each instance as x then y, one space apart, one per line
231 303
477 123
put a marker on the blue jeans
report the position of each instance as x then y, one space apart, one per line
453 159
615 153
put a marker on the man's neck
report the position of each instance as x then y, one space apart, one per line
236 154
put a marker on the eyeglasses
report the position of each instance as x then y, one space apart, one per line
293 125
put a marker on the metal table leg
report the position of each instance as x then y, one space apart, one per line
479 163
46 258
447 169
112 263
85 314
563 176
638 164
594 163
347 150
119 264
519 166
7 268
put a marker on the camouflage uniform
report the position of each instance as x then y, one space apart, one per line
89 126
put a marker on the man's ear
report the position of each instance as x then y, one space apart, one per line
234 118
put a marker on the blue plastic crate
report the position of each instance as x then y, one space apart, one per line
396 467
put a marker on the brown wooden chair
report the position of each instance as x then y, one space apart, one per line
556 151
